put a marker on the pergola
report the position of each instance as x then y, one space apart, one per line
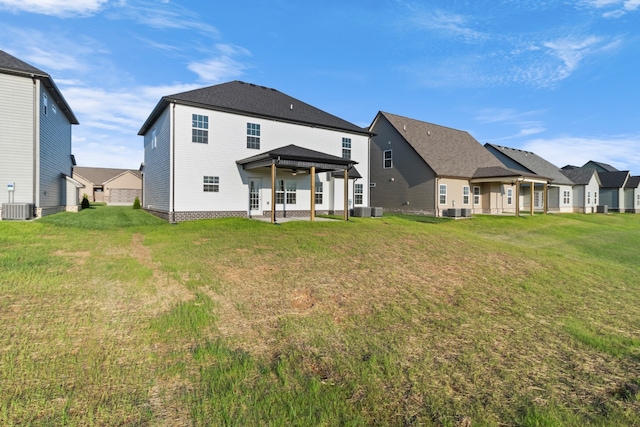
296 159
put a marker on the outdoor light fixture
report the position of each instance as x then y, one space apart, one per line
294 172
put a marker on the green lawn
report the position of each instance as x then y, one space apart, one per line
111 316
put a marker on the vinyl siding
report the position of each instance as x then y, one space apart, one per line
17 137
228 143
157 165
55 152
409 185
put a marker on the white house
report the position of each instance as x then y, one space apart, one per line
238 149
585 191
35 143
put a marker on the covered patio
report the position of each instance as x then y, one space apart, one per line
297 159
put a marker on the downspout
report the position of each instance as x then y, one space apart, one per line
436 197
36 147
173 162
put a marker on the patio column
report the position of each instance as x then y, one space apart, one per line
533 189
545 196
346 195
517 198
273 193
312 175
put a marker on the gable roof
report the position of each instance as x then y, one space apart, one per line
533 163
615 179
599 165
581 176
11 65
448 152
632 182
102 175
252 100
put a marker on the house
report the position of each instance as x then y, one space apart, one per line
420 167
632 195
559 191
599 166
585 189
35 142
239 149
612 189
112 186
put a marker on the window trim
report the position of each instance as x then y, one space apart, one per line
385 159
199 128
319 193
346 148
441 194
210 184
476 196
253 136
465 197
509 196
358 194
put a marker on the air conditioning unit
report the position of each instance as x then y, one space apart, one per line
376 212
17 210
361 211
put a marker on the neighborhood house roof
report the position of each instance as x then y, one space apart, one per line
613 179
606 167
11 65
633 182
533 163
100 176
249 99
580 176
448 152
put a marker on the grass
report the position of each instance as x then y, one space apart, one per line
113 317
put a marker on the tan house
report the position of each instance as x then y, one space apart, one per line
112 186
420 167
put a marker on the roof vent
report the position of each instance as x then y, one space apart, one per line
404 128
291 107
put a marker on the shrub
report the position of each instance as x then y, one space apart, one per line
136 203
85 202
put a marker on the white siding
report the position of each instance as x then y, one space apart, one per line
228 143
157 165
17 137
55 153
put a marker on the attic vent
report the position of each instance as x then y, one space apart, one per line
17 210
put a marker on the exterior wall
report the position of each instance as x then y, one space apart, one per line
55 152
123 189
17 128
609 197
556 201
88 188
410 184
227 143
157 165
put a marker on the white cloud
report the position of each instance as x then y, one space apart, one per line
443 23
619 7
61 8
621 151
571 51
167 16
221 67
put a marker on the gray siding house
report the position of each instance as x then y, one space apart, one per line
35 141
420 167
586 188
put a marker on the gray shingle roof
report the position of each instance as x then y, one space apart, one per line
449 152
11 65
534 163
580 176
249 99
615 179
605 166
101 175
632 182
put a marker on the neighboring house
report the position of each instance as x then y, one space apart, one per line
420 167
560 190
599 166
612 189
35 142
632 195
586 187
238 149
112 186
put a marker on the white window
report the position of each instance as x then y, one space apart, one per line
465 195
566 197
476 195
318 194
285 191
253 136
638 200
588 197
211 184
357 194
45 103
509 196
443 194
595 197
387 159
54 109
154 138
346 148
199 131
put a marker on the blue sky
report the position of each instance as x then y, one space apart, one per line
559 78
